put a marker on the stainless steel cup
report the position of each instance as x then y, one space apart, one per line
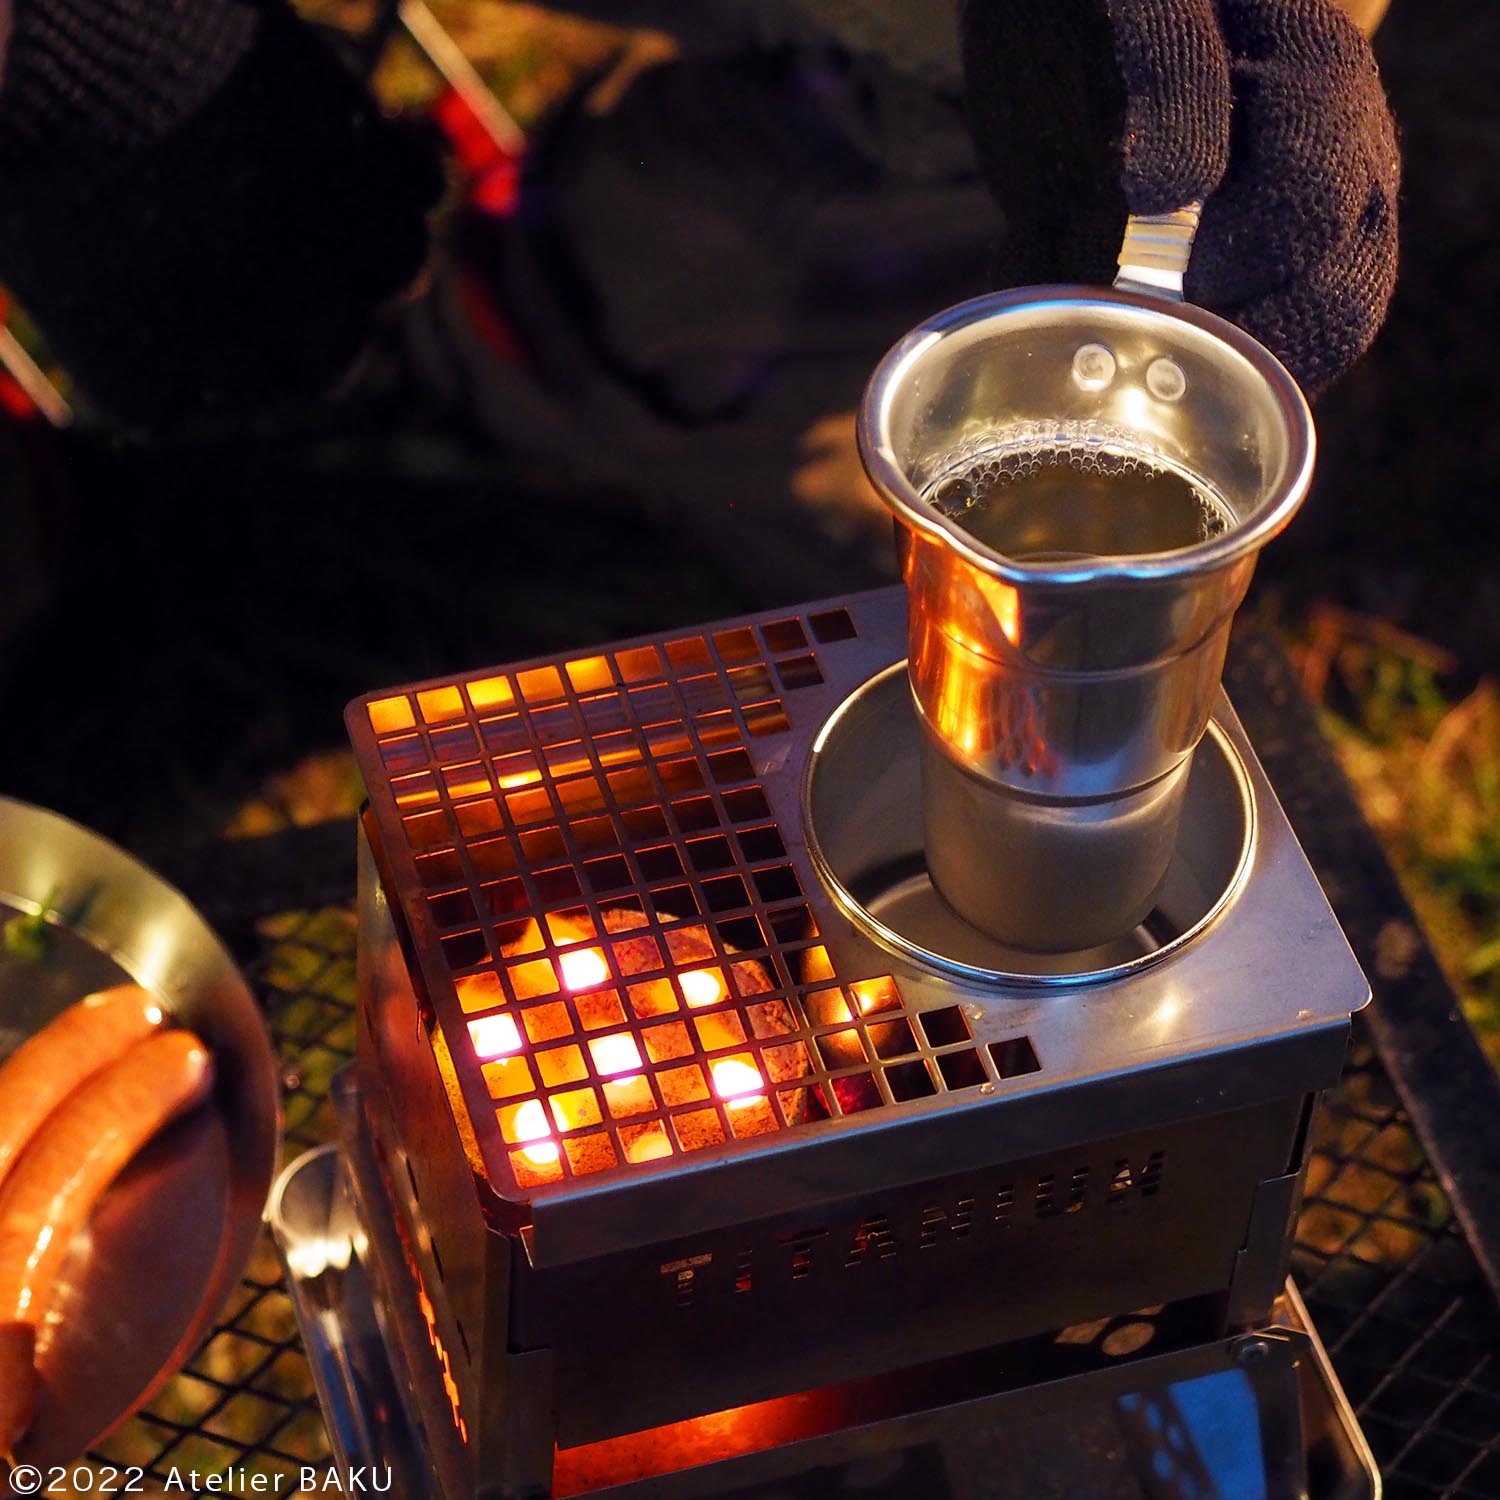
1060 699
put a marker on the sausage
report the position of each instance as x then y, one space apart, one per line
78 1152
18 1384
47 1067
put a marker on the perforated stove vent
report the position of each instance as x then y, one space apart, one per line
626 930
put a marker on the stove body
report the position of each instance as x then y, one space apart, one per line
689 1155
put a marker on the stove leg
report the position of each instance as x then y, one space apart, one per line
1233 1435
518 1420
1269 1362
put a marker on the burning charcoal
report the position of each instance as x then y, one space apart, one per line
644 1072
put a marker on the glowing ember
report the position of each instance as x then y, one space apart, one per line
584 968
615 1054
494 1036
592 1072
649 1148
531 1125
734 1079
701 987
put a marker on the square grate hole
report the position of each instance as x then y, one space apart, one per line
736 645
465 949
893 1039
943 1028
1015 1057
767 718
832 625
910 1080
961 1070
454 909
799 672
782 636
728 766
391 715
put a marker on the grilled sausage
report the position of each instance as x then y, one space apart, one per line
47 1067
78 1152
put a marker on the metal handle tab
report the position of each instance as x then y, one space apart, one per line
1154 255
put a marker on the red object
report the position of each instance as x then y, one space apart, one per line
14 402
494 173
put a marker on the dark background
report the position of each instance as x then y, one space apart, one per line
215 600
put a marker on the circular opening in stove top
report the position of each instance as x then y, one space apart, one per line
862 801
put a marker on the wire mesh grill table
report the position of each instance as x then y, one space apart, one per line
1392 1248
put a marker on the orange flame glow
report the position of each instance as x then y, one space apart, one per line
531 1125
584 968
494 1036
615 1054
735 1080
652 1145
701 987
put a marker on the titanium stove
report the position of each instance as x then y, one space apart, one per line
710 1146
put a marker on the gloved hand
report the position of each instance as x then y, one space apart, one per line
1270 111
201 208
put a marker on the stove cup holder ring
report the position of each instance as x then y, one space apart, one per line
862 810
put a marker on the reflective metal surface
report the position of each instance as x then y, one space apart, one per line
1061 698
371 1317
325 1252
863 809
1154 256
170 1237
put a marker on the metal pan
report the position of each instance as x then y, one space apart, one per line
166 1245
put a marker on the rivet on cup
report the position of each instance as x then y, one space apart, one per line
1093 367
1165 380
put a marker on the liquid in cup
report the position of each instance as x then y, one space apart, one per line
1075 496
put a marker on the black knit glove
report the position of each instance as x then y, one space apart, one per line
198 206
1270 111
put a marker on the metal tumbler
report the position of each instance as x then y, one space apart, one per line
1061 692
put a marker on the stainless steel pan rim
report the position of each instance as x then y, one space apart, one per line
896 370
1219 744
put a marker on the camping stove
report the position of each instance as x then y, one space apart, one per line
716 1146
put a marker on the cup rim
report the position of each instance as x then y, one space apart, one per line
898 493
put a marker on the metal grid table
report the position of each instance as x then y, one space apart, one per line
1393 1245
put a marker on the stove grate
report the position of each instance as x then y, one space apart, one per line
610 897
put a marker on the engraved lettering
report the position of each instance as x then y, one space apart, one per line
1005 1202
801 1245
937 1222
873 1237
